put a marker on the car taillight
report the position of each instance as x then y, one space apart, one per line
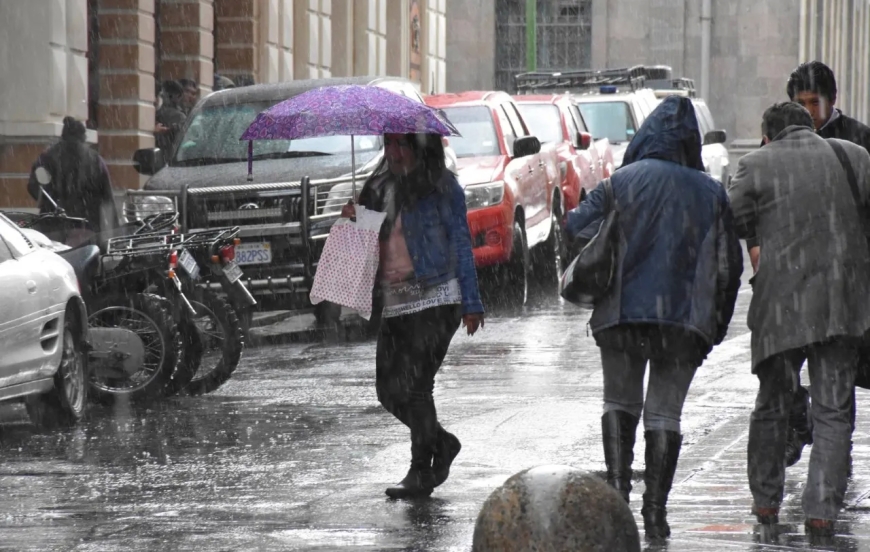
228 253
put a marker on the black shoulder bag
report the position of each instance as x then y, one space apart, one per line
590 275
862 376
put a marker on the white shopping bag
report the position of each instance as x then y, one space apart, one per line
349 262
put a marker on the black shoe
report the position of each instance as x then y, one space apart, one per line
617 431
794 446
662 453
819 527
418 483
448 447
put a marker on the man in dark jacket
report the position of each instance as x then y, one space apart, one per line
809 302
813 86
80 182
170 117
672 297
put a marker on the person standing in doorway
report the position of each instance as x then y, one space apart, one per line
170 117
672 297
809 302
427 285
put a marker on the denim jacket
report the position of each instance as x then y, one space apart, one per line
437 236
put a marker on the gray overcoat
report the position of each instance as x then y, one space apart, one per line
813 280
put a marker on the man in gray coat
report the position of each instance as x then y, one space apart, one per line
809 302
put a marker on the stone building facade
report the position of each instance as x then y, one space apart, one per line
102 61
754 45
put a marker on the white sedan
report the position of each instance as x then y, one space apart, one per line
43 331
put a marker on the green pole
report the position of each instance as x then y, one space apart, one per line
531 35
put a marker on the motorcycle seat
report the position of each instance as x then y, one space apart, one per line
85 260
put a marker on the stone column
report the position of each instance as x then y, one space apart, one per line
276 40
187 41
236 40
342 38
398 38
370 37
45 78
434 46
126 66
312 43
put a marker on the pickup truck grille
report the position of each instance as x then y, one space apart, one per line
251 210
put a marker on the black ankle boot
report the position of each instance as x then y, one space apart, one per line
447 449
420 479
617 431
418 483
662 453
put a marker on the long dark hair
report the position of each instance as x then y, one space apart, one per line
430 150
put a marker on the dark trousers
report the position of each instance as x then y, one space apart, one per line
832 376
410 351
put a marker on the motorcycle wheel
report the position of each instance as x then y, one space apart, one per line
149 319
222 340
192 351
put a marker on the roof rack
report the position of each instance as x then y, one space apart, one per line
657 77
682 86
580 79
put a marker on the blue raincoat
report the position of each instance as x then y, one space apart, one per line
679 261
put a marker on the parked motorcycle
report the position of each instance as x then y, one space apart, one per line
135 301
206 323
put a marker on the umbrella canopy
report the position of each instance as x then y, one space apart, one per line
347 110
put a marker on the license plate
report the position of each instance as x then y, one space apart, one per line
254 253
188 263
233 272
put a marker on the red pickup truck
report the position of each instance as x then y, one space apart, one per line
512 190
555 119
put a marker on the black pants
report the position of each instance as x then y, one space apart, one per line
410 351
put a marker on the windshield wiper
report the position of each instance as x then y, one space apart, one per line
289 154
202 161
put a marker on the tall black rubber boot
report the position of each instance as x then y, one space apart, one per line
618 429
662 453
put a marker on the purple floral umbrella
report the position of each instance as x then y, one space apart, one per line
345 110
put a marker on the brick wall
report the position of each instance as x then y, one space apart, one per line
187 41
126 66
236 39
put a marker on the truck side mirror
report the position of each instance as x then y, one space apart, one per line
526 145
715 137
148 161
584 140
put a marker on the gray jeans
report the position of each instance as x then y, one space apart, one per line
832 376
669 380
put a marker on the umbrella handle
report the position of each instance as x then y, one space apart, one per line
250 160
352 169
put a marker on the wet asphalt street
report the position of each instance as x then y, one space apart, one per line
294 452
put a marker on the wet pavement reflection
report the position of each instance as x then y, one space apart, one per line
294 453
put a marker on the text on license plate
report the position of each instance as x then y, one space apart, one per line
254 253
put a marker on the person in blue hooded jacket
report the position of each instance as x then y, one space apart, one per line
671 300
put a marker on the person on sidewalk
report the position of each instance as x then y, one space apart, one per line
809 302
813 86
427 284
80 181
672 297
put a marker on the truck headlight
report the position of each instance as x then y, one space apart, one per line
484 195
139 207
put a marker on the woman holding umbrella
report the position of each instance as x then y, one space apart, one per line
426 286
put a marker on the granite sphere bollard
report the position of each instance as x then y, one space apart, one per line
555 509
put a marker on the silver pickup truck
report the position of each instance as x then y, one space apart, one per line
286 210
